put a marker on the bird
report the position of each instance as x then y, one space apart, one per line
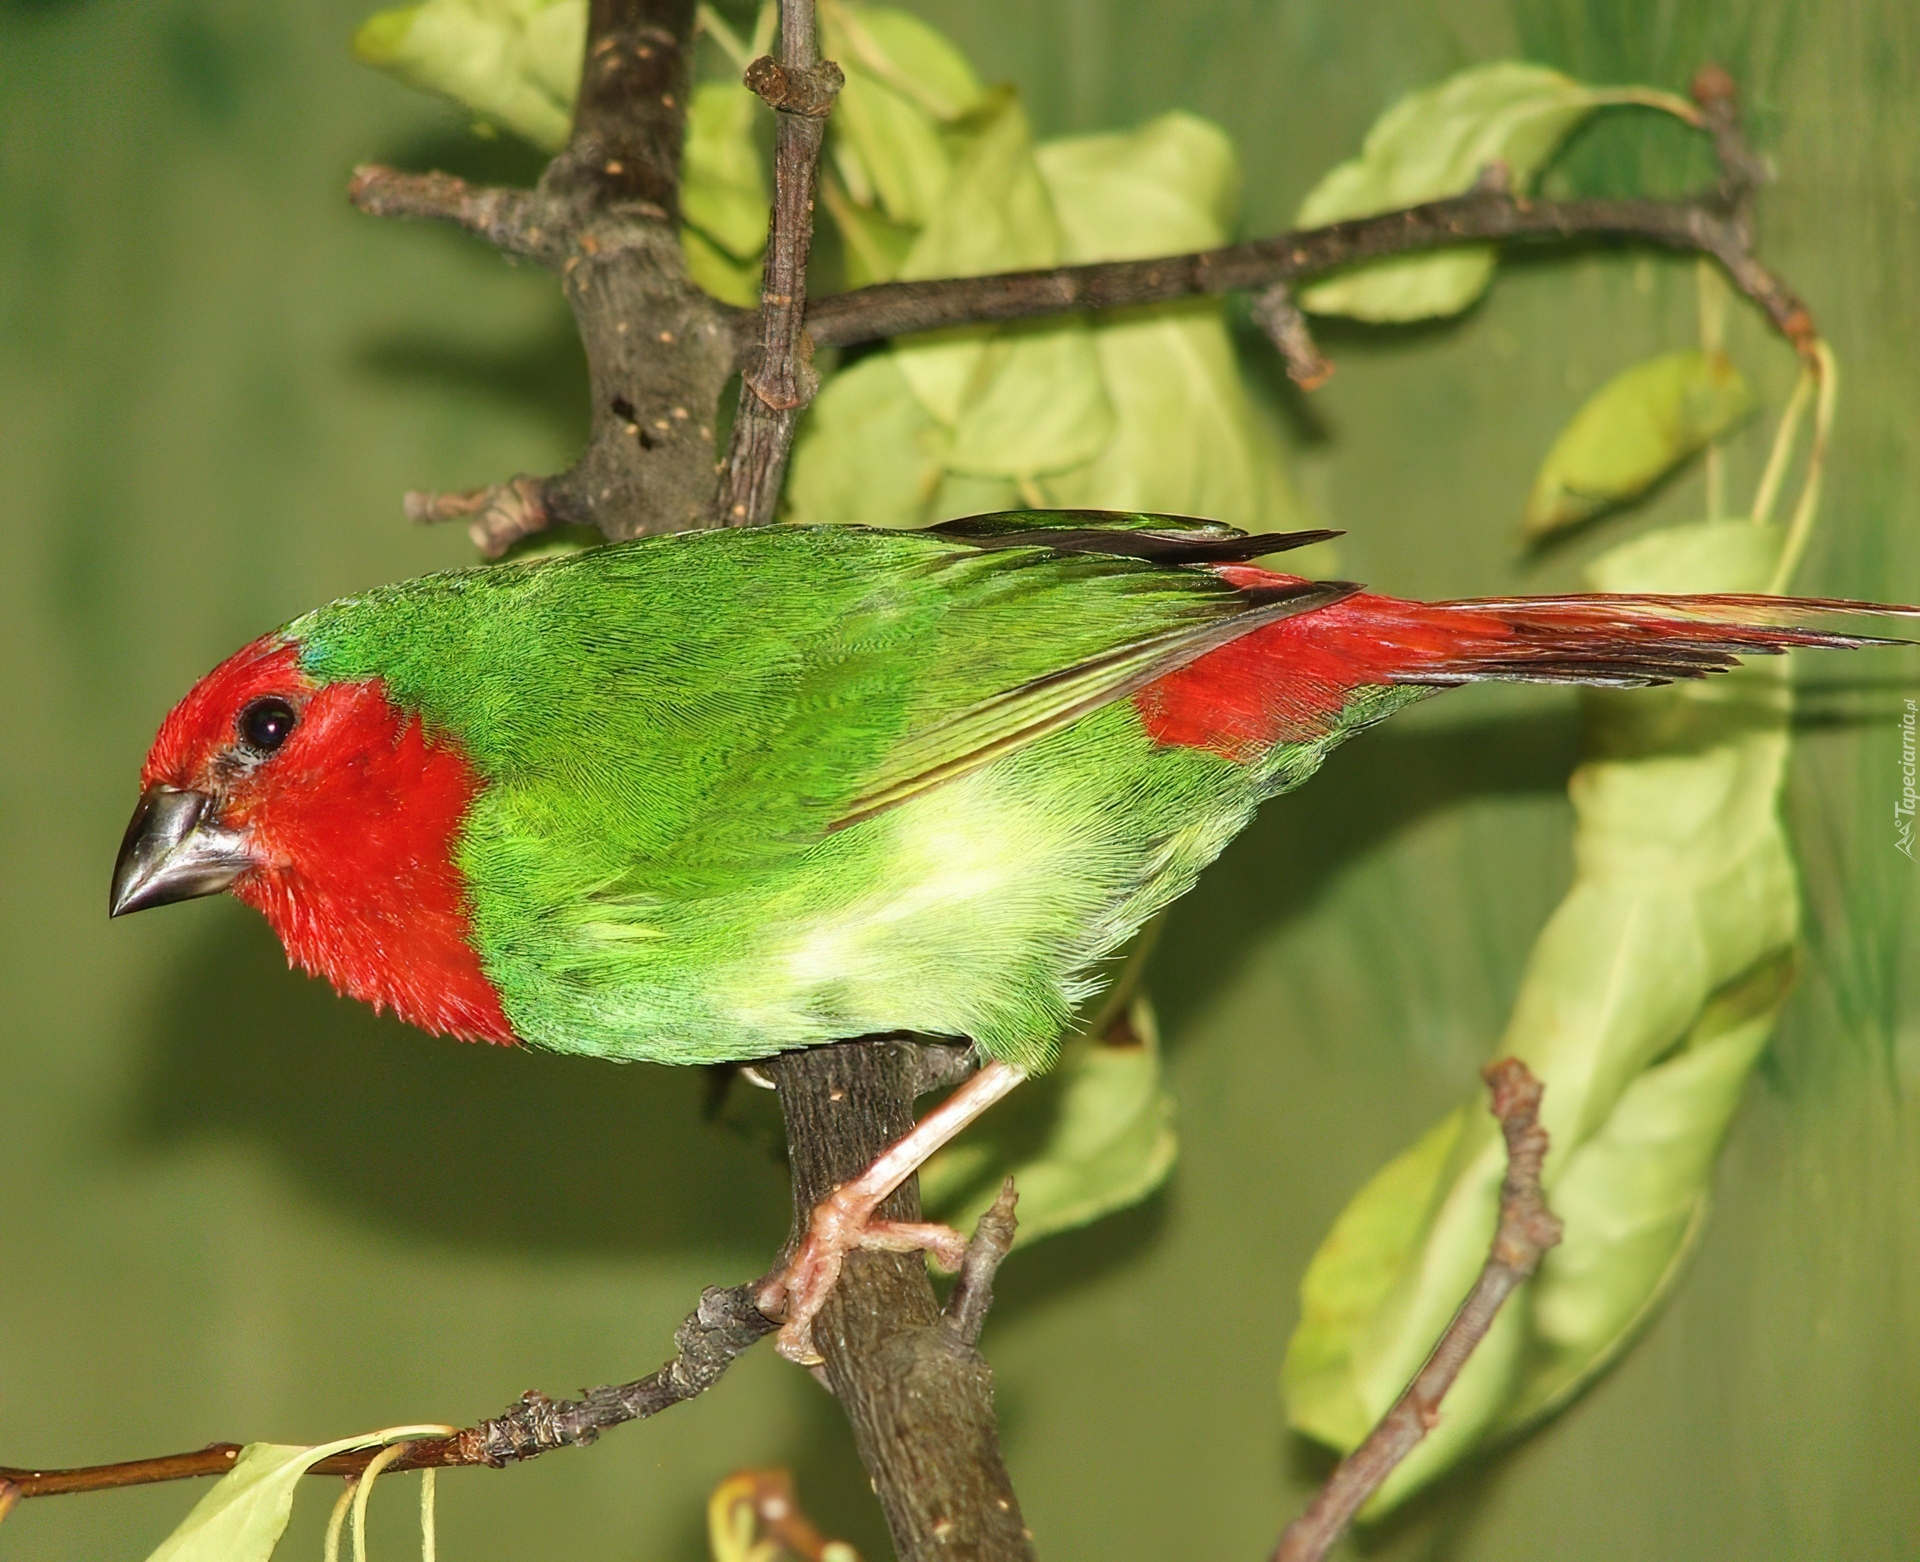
711 796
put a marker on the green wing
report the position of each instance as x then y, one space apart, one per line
705 703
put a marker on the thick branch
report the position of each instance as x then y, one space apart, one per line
918 1396
777 377
1527 1229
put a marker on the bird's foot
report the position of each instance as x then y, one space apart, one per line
844 1219
842 1223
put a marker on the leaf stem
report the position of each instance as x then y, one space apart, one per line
1800 528
1784 439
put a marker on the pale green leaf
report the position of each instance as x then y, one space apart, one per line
994 215
1187 439
1091 1136
903 81
242 1517
1632 432
868 453
1171 186
714 270
1634 1196
513 63
1432 144
899 49
723 188
1351 1277
1035 402
1647 998
875 246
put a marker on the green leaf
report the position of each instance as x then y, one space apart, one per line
903 82
1172 185
868 453
715 271
1187 440
242 1518
723 186
514 63
1432 144
897 48
1634 1196
1632 432
1091 1136
1351 1277
1648 995
1141 410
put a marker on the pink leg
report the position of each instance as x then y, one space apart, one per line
844 1219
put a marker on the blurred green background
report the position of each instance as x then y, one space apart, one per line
236 1207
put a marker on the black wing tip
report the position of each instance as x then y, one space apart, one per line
1126 534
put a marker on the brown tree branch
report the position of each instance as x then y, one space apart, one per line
918 1395
1717 223
776 373
1527 1229
713 1335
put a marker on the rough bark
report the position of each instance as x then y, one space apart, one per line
918 1395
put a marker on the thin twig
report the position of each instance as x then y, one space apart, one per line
506 218
972 1294
497 516
1275 312
1527 1229
777 375
714 1334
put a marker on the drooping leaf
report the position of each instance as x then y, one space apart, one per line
1648 996
1019 400
868 453
244 1514
904 82
1349 1280
1435 143
1140 409
1632 432
514 63
1634 1197
723 185
1091 1136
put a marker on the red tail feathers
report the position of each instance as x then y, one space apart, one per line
1288 681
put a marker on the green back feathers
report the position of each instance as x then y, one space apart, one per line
675 733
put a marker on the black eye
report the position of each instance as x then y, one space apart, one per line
265 724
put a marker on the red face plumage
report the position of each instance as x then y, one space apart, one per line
350 823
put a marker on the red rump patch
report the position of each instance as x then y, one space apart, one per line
352 823
1286 682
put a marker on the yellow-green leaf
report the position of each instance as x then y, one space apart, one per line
723 188
896 47
1091 1136
242 1517
1648 996
903 82
868 453
514 63
1632 432
1432 144
1351 1277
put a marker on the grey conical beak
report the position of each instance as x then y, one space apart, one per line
174 851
